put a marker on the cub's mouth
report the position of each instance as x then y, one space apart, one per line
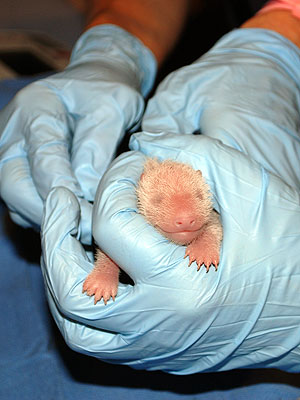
182 237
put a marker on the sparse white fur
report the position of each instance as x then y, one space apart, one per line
165 190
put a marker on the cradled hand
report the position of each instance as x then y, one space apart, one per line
63 130
175 318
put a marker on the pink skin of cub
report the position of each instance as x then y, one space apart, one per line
176 200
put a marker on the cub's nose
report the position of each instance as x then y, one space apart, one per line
184 221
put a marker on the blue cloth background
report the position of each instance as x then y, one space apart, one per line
35 362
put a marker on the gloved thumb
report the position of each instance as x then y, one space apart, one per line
64 260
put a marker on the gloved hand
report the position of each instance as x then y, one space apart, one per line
244 92
64 130
174 318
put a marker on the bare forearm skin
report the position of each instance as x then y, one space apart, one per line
280 21
156 23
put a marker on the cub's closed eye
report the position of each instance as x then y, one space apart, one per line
156 201
199 195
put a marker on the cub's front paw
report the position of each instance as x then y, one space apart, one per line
203 254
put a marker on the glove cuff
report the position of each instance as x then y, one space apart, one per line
114 43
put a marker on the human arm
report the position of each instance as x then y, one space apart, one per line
157 24
277 19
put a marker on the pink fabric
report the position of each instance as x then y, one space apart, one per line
290 5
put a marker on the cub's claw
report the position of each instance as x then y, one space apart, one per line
206 257
101 286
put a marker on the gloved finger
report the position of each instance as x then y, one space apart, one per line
98 131
48 134
214 97
40 158
27 208
16 185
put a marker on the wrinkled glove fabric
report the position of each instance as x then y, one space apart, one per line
63 130
243 98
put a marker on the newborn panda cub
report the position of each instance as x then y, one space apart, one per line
176 200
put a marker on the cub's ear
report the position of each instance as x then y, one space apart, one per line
142 176
151 163
199 172
199 195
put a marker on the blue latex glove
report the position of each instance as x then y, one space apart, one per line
63 130
247 314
